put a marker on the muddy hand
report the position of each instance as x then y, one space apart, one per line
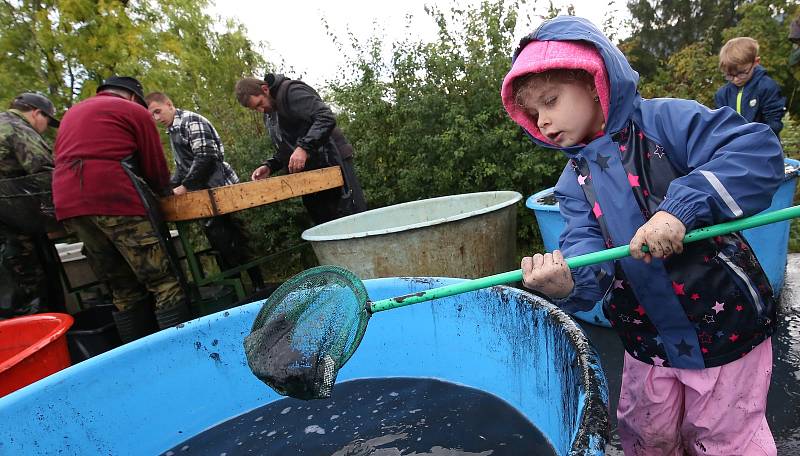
548 274
662 234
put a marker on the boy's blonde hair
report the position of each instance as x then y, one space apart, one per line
737 52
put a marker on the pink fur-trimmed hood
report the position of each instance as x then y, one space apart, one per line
539 56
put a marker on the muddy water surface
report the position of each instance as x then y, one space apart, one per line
377 417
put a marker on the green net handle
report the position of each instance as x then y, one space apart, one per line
581 260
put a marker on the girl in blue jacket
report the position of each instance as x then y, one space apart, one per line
695 320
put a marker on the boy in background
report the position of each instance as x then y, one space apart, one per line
753 94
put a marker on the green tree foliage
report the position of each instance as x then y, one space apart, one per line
65 48
431 122
693 71
664 27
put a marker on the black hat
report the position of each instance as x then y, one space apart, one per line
128 83
40 102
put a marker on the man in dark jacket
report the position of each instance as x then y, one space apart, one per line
304 132
753 94
108 162
24 256
199 164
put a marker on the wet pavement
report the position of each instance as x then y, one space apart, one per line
783 402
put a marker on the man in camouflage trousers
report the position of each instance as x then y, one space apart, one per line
23 151
108 162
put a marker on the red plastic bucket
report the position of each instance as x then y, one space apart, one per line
32 348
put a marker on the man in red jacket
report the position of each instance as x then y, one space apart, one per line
107 145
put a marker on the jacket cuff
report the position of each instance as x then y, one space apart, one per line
306 145
576 300
686 213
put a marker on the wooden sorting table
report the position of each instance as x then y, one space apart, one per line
200 204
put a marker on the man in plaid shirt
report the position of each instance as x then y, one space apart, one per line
200 164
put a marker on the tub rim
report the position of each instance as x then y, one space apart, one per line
531 203
791 171
308 235
62 323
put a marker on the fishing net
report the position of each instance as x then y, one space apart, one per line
307 330
26 203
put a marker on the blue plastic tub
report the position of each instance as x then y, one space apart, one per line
152 394
770 242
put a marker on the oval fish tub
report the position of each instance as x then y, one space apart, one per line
470 235
154 393
770 242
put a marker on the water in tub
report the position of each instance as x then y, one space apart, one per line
378 417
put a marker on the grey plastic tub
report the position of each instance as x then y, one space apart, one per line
469 235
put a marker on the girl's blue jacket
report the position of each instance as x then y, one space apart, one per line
711 304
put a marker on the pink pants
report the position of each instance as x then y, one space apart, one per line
714 411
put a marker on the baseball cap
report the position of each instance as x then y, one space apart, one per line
41 102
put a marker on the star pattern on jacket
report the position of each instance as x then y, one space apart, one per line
596 210
684 349
602 161
708 309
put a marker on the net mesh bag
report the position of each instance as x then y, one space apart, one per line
26 203
307 330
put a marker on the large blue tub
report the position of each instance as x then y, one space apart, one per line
770 242
147 396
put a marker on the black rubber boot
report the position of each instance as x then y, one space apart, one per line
255 278
135 323
172 316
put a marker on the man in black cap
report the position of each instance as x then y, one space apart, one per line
108 161
124 87
23 255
